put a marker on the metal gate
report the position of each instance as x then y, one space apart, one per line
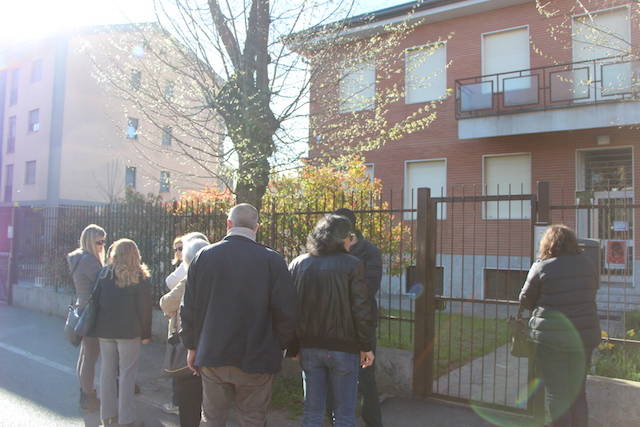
474 252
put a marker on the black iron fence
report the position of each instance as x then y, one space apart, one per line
44 236
453 267
611 79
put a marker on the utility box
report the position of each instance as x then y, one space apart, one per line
591 248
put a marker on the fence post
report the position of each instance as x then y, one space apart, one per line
10 267
273 227
425 302
544 203
540 219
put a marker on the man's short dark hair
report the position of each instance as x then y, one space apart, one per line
348 213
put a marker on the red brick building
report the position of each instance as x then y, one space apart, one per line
525 97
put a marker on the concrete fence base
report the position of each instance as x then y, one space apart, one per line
54 303
613 402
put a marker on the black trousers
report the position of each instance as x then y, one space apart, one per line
564 374
188 397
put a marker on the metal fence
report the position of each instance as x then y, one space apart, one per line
610 79
44 236
477 251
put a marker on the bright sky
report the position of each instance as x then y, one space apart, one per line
31 19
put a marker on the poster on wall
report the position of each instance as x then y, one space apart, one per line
616 256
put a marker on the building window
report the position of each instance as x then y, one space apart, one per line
132 128
165 184
130 177
506 175
167 136
34 120
503 284
357 87
11 135
607 170
370 171
30 172
425 173
8 183
412 281
36 71
601 35
15 83
503 52
426 73
139 49
136 79
168 90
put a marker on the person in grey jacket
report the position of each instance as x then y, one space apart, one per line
84 264
560 291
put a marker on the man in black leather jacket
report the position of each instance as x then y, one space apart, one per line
335 322
370 255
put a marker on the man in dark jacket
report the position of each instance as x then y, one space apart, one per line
238 315
369 254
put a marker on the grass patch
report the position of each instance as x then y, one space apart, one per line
288 396
459 338
619 360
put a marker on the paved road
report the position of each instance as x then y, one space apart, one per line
38 386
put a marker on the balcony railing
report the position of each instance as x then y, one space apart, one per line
604 80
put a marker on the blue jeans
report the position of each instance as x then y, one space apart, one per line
324 369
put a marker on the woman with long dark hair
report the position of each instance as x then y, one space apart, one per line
560 291
84 264
335 322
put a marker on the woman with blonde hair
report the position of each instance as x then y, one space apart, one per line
560 291
123 321
84 264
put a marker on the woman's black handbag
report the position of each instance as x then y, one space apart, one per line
519 342
89 312
73 315
175 358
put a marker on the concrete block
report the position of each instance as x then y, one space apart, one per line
54 303
613 402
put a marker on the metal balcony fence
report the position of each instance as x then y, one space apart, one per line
574 84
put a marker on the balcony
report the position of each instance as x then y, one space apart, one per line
577 95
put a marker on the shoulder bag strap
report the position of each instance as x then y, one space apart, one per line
73 270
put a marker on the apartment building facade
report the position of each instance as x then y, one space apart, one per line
68 138
522 96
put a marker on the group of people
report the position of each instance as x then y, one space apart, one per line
119 283
239 309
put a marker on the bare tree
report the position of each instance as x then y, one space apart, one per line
242 73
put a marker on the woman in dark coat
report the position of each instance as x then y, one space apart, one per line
560 291
84 264
123 322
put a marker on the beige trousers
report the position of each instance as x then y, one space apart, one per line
86 366
227 386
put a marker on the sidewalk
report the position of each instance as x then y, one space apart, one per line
38 338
